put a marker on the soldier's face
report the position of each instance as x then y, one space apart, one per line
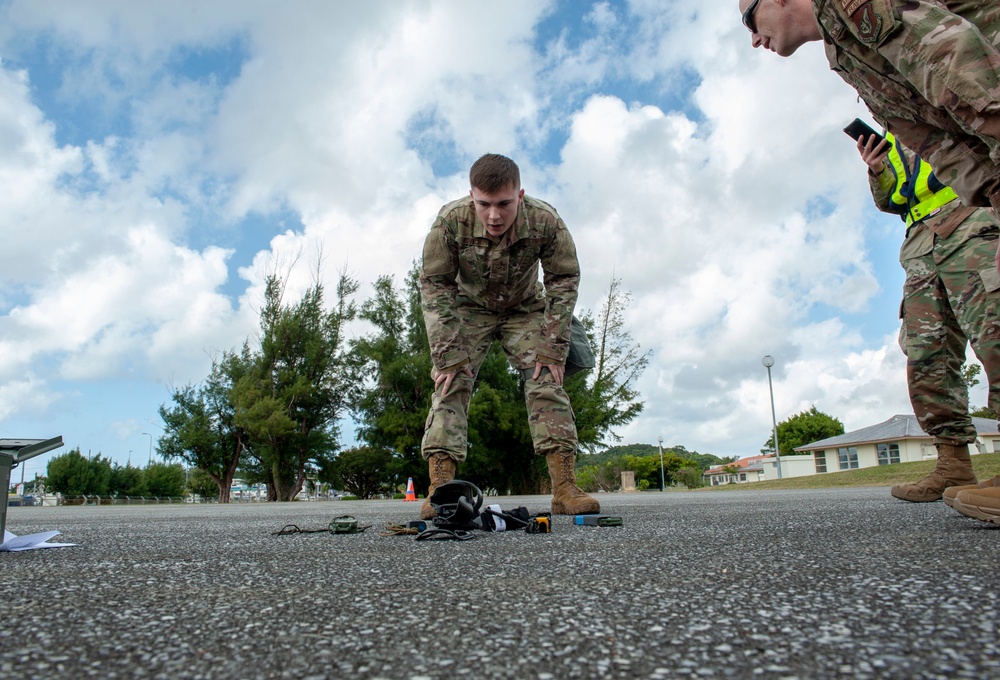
781 26
497 211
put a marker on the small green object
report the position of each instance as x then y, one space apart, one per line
345 524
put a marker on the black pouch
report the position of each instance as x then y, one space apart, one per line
581 356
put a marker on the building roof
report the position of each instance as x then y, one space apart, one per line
750 464
894 429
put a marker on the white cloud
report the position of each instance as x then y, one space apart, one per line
27 394
152 300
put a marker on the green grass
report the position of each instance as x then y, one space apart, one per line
986 465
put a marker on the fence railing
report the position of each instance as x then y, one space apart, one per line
59 499
120 500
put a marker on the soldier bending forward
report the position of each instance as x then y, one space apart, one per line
479 281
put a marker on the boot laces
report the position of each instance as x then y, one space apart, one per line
439 473
567 471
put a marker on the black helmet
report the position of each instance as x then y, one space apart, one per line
456 504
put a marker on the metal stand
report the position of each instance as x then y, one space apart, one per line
13 452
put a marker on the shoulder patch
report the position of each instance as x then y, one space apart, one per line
872 21
438 258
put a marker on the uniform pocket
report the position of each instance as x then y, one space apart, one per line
991 279
470 263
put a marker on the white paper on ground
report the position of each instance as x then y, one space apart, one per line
14 543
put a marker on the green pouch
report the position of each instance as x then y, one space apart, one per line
345 524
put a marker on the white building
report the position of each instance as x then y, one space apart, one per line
897 440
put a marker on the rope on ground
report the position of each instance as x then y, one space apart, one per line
399 530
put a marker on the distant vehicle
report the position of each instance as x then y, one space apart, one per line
29 500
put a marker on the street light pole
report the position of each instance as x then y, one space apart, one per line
768 361
150 448
663 486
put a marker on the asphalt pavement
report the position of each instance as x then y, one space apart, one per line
836 583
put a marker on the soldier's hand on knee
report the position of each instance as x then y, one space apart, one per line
447 377
557 371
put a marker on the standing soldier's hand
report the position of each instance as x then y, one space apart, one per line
874 155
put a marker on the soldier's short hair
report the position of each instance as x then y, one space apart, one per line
493 173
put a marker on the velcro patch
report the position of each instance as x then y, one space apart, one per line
872 20
438 258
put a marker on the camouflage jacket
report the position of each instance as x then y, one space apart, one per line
463 266
929 71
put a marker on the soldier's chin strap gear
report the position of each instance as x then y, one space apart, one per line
495 519
456 504
445 534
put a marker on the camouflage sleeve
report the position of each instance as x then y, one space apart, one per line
438 293
952 64
882 186
561 271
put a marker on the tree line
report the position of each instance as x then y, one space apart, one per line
73 474
270 411
678 467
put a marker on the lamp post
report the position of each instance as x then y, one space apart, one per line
768 361
663 486
150 448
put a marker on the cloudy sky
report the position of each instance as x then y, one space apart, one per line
158 159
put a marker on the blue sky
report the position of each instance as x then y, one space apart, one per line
160 159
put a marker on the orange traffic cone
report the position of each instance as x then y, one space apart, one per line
410 495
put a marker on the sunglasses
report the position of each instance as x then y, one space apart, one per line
748 16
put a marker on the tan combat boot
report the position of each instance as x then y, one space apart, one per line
954 468
982 504
567 497
442 471
952 491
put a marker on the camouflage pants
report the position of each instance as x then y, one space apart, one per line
951 297
550 416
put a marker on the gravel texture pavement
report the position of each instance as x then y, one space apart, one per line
836 583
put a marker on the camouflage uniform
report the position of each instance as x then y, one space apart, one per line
950 297
929 71
475 288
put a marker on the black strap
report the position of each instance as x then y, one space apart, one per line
438 534
512 521
293 529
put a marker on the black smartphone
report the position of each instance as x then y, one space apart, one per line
859 129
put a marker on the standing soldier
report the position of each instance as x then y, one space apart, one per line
929 71
947 255
479 281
